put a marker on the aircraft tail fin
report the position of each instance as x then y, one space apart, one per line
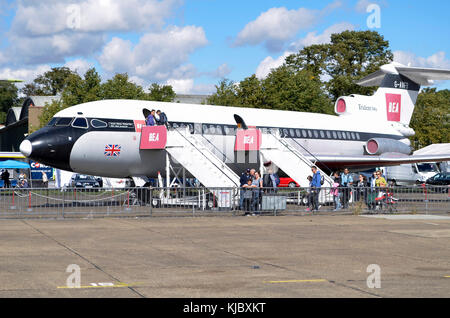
395 99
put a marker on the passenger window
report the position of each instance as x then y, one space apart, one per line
358 136
316 134
322 134
304 133
309 133
64 121
328 135
96 123
339 135
334 135
80 123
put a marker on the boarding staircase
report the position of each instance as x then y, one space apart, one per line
193 154
289 159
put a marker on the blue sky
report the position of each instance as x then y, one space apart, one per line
193 44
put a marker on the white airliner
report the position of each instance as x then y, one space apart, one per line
102 138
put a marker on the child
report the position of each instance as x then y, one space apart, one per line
335 192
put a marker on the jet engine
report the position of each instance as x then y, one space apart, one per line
378 146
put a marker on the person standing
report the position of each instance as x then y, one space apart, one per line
271 180
150 121
257 183
309 195
361 191
243 181
44 180
346 183
162 118
335 191
315 188
5 178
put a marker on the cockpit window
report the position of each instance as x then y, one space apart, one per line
80 123
96 123
52 121
63 121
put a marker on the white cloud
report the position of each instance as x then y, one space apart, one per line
222 71
188 86
269 63
275 26
51 31
437 60
181 86
311 38
27 74
38 18
361 5
54 48
323 38
79 65
157 56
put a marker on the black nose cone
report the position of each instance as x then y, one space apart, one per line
51 146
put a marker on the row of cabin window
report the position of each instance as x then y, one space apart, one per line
319 134
284 132
81 122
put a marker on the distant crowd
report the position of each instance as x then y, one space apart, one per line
253 185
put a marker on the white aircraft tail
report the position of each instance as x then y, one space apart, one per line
396 96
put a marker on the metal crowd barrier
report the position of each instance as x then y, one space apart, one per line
135 202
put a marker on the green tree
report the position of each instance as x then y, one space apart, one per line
77 91
119 87
161 93
431 120
50 83
284 88
351 55
287 89
8 98
225 95
250 92
89 88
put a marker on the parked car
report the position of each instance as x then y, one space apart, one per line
288 182
439 179
84 181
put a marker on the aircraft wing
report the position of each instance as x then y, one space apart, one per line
10 81
367 162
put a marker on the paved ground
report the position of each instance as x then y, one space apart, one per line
284 256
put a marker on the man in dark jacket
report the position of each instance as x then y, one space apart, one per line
247 175
162 118
5 178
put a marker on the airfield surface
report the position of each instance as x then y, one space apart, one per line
283 256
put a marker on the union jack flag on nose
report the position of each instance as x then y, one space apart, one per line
112 150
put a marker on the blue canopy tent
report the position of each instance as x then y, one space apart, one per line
13 164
